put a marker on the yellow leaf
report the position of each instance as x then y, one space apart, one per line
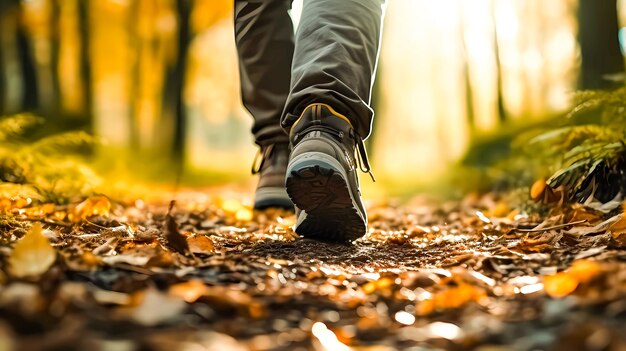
93 206
560 284
32 255
244 215
231 205
500 210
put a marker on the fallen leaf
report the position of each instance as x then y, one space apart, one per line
189 291
377 285
107 297
618 231
156 307
585 270
244 215
564 283
580 213
93 206
590 252
161 259
32 255
231 205
560 284
133 260
599 228
90 259
174 238
540 191
39 211
200 244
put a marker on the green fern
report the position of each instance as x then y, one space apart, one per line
587 156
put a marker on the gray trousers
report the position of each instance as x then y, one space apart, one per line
331 59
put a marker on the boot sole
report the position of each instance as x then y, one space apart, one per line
318 185
272 198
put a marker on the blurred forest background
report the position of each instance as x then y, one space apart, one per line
158 80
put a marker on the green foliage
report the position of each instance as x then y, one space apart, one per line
582 152
54 167
586 156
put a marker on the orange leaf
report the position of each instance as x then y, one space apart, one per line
584 270
189 291
560 284
201 244
93 206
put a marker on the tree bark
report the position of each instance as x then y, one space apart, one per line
3 75
30 88
600 51
176 81
85 63
53 110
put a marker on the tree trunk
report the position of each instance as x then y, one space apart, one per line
176 81
53 109
30 88
3 74
496 46
134 40
85 63
599 45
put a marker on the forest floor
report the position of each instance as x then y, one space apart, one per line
212 275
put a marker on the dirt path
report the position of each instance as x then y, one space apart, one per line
474 274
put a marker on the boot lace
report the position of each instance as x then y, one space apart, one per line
261 156
361 153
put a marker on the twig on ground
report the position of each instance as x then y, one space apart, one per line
558 226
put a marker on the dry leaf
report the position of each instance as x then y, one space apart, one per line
244 215
90 259
93 206
32 255
201 244
174 238
189 291
377 285
560 284
580 213
585 270
540 191
564 283
450 298
618 232
133 260
231 205
156 308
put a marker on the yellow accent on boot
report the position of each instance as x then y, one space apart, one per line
330 108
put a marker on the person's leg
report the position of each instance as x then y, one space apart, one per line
335 59
265 45
328 114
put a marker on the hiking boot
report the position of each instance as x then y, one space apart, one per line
322 178
270 191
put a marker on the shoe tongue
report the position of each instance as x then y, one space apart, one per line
321 115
